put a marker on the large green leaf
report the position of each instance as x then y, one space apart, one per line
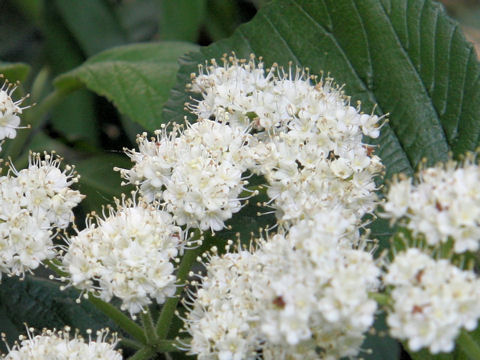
405 56
136 78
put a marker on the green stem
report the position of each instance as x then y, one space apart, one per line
381 299
54 265
119 318
144 353
166 315
111 311
469 345
148 327
165 346
132 344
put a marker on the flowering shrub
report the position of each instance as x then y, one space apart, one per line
257 224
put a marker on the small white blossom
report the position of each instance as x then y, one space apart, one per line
35 202
432 301
62 346
9 110
127 254
442 203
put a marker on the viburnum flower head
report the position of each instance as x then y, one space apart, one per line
442 203
309 137
197 174
9 110
36 201
61 345
432 301
128 254
285 300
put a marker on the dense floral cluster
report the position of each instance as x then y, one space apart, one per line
310 137
198 174
35 202
443 203
127 254
432 301
60 345
293 296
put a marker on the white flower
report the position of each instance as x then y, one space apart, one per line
443 203
9 110
62 346
127 254
432 301
35 202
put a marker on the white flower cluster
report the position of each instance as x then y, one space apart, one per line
61 346
432 301
9 110
294 297
198 174
310 146
127 254
35 202
301 135
443 203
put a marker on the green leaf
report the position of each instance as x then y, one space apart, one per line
92 23
136 78
99 182
40 303
181 19
373 47
14 71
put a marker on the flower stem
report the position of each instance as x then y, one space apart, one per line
172 345
381 299
119 318
168 309
111 311
148 327
54 265
132 344
469 346
144 353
